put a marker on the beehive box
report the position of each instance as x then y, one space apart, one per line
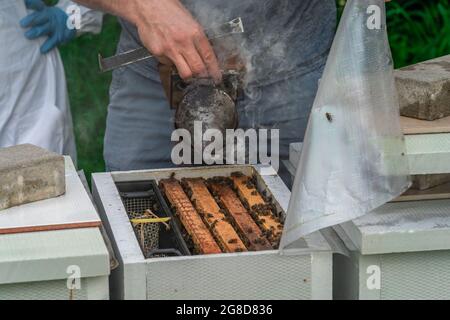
402 249
304 272
399 251
54 265
427 147
53 249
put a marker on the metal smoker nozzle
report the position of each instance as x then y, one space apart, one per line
234 26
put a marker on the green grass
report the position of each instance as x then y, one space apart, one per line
418 30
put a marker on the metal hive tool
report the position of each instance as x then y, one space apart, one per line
141 54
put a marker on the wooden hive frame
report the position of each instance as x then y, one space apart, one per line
208 208
189 217
247 227
260 210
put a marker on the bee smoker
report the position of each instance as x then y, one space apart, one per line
202 100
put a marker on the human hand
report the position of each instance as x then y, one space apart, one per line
170 33
47 21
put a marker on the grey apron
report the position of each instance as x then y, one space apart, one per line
286 44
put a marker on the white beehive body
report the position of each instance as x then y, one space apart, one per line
66 263
304 273
406 245
402 249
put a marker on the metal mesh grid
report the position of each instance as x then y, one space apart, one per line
43 290
415 276
235 277
147 234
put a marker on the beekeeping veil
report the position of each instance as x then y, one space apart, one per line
353 158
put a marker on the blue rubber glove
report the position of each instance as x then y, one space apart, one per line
47 21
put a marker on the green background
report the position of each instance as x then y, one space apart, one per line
418 30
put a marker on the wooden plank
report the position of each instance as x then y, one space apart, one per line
208 208
414 126
191 220
259 209
53 227
435 193
255 239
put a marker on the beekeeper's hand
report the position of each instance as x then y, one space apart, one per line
47 21
169 32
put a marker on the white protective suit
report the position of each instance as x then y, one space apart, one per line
34 103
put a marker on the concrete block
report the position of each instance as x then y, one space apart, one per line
29 173
424 89
428 181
